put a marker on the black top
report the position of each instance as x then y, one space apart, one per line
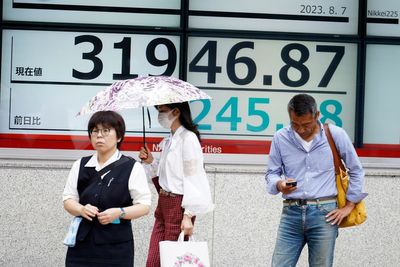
110 192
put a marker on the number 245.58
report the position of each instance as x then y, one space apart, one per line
256 107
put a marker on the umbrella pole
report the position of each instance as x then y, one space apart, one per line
144 128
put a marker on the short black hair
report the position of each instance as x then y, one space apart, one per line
110 119
302 104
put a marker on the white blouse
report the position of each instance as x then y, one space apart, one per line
138 186
181 171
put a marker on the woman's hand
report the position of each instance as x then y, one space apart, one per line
145 155
108 215
187 225
88 212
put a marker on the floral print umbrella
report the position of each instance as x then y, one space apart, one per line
143 92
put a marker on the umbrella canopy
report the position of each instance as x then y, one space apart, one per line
143 92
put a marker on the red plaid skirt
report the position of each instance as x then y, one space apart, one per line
167 226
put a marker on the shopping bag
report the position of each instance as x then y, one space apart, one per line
184 253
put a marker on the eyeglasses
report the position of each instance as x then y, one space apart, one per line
104 132
305 126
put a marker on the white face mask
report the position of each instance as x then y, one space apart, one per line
164 120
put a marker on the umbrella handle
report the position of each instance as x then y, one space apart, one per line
148 116
143 121
144 128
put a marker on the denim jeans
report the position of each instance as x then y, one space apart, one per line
302 225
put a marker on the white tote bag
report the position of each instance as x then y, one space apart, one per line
184 253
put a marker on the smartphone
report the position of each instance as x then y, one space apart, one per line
291 183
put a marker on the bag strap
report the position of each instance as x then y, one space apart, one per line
336 157
111 166
181 237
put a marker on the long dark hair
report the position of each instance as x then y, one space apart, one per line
186 117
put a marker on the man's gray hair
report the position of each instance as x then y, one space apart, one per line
302 104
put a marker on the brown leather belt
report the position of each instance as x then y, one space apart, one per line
168 194
302 202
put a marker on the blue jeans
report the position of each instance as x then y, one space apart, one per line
302 225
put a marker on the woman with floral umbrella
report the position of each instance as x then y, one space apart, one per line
182 183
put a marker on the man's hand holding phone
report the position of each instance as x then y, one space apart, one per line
287 186
291 182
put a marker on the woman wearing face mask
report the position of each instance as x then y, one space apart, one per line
182 182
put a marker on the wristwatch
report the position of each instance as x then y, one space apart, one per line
122 215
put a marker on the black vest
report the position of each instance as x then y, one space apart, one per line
110 192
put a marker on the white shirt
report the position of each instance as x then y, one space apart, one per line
306 144
138 186
181 171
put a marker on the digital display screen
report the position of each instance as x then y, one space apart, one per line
49 73
155 13
45 84
308 16
383 18
252 80
47 76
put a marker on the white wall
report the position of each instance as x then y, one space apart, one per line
241 231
